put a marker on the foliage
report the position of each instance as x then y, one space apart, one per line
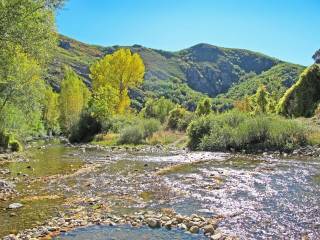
15 146
85 129
103 103
237 130
73 100
176 91
51 111
179 119
302 98
21 94
158 109
204 107
261 100
277 80
139 131
120 71
28 24
132 135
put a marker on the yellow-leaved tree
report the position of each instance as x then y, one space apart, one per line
116 73
74 97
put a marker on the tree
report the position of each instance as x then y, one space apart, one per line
74 97
158 109
121 70
103 103
21 94
204 107
27 39
260 100
30 25
51 111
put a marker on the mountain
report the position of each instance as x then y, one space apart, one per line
200 70
316 56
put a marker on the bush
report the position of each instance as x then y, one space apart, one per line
132 135
15 146
139 131
184 122
158 109
4 140
85 130
242 131
150 126
174 117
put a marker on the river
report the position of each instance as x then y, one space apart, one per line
259 197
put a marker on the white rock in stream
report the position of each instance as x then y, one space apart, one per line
15 205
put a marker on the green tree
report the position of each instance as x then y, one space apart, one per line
121 70
174 116
261 100
158 109
204 107
51 111
21 94
74 97
30 25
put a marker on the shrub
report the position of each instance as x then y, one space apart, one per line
204 107
15 146
184 122
175 116
85 130
158 109
4 140
132 135
150 126
138 131
243 131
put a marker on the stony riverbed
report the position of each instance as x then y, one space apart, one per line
120 192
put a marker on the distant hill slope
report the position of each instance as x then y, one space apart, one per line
201 69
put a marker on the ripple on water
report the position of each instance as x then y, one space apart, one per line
258 202
126 232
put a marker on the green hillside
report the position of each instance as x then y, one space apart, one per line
186 75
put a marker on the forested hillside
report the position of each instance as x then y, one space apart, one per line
186 74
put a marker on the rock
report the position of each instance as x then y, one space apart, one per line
15 205
194 229
153 223
168 225
217 236
179 218
209 229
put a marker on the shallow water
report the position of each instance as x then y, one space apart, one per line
260 197
126 232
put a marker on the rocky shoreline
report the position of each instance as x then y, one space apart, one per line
166 218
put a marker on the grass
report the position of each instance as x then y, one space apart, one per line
167 137
238 131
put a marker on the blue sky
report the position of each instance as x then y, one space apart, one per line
287 29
